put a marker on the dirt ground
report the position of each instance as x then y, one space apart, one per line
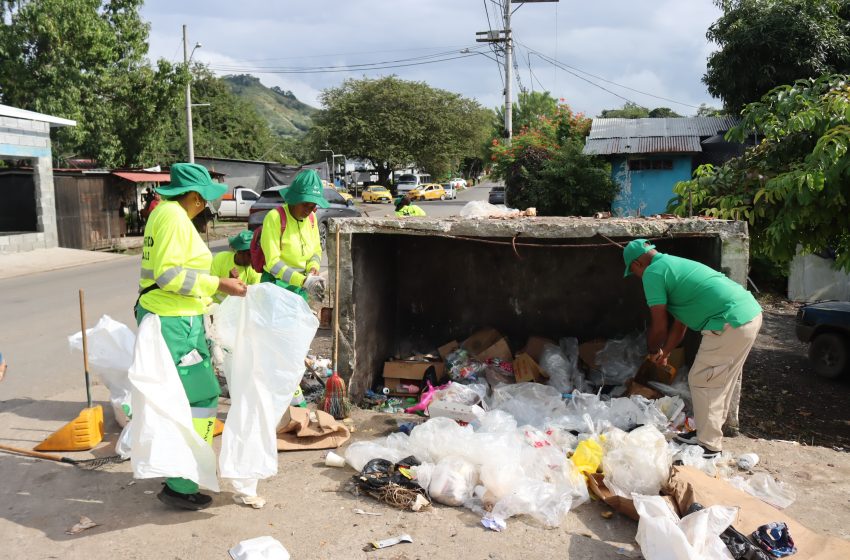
310 513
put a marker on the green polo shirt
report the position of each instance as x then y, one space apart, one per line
698 296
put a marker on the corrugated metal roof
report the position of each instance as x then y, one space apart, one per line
653 145
143 176
8 111
643 128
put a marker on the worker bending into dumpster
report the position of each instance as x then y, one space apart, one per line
704 300
403 208
235 263
290 240
176 285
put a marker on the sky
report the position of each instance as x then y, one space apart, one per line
657 47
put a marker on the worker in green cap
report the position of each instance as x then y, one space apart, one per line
704 300
290 238
176 285
404 208
235 263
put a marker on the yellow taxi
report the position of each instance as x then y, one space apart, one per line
428 191
376 193
342 192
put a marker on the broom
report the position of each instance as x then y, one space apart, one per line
335 400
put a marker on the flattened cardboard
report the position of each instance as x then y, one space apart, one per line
412 370
650 371
310 429
534 347
587 352
596 485
635 388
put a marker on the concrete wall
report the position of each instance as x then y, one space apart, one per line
413 285
646 192
26 139
813 278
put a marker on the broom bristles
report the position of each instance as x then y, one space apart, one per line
335 401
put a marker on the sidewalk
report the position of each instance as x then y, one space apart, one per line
44 260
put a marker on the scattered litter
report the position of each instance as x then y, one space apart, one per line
607 514
148 491
766 488
359 511
481 209
334 460
494 523
775 539
386 543
260 548
747 461
256 502
85 523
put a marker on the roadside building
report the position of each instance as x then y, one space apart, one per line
649 156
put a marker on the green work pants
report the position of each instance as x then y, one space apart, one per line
182 335
266 277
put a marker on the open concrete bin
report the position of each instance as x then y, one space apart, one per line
419 283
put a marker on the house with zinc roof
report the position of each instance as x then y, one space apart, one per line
649 156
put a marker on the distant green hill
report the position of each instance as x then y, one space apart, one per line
285 114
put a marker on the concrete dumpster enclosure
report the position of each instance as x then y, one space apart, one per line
411 285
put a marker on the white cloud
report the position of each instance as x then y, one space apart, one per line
654 45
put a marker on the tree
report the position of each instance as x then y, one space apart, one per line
85 60
529 107
766 43
544 167
793 186
634 111
393 123
708 111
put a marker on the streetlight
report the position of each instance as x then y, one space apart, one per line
187 58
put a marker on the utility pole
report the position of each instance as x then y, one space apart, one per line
190 142
504 36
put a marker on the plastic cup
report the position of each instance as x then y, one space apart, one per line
334 460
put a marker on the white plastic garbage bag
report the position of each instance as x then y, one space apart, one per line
638 461
260 548
663 536
110 349
162 439
482 209
268 333
452 481
561 364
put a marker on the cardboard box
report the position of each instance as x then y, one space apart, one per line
499 350
455 411
587 352
635 388
677 358
395 386
534 346
650 371
447 349
596 485
400 369
488 344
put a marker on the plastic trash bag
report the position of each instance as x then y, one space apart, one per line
361 452
529 403
638 461
268 333
558 367
692 456
588 456
663 536
452 481
620 359
162 438
481 209
110 349
766 488
260 548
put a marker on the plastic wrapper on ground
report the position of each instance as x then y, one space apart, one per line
638 461
766 488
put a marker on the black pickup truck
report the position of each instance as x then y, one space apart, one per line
826 327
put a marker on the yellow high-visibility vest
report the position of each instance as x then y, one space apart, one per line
223 263
291 254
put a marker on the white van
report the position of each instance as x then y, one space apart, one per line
409 181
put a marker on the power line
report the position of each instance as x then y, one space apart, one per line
559 65
335 69
301 57
565 66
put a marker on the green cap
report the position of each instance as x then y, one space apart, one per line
241 241
634 250
186 177
306 187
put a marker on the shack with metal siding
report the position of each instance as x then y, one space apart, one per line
649 156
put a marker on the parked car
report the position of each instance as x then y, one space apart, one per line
497 195
406 183
458 183
341 190
272 197
429 191
451 191
826 327
237 204
376 193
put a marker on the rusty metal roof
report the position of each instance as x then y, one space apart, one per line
652 136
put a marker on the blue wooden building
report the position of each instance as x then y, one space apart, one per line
649 156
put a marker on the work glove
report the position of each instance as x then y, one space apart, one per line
315 286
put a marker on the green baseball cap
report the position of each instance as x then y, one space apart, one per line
634 250
306 187
186 177
242 240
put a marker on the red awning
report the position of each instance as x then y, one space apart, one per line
143 176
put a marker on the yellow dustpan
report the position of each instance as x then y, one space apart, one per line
86 430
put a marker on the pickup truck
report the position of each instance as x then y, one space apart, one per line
237 204
826 327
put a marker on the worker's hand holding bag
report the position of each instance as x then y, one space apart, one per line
232 286
315 286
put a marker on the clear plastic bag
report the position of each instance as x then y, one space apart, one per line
110 352
361 452
529 403
663 536
766 488
620 359
481 209
452 481
638 461
692 456
557 366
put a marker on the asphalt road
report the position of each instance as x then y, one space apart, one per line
39 311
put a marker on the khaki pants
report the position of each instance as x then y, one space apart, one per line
714 376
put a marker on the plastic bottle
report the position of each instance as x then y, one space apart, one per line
298 398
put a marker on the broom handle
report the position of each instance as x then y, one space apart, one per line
85 346
336 304
29 453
